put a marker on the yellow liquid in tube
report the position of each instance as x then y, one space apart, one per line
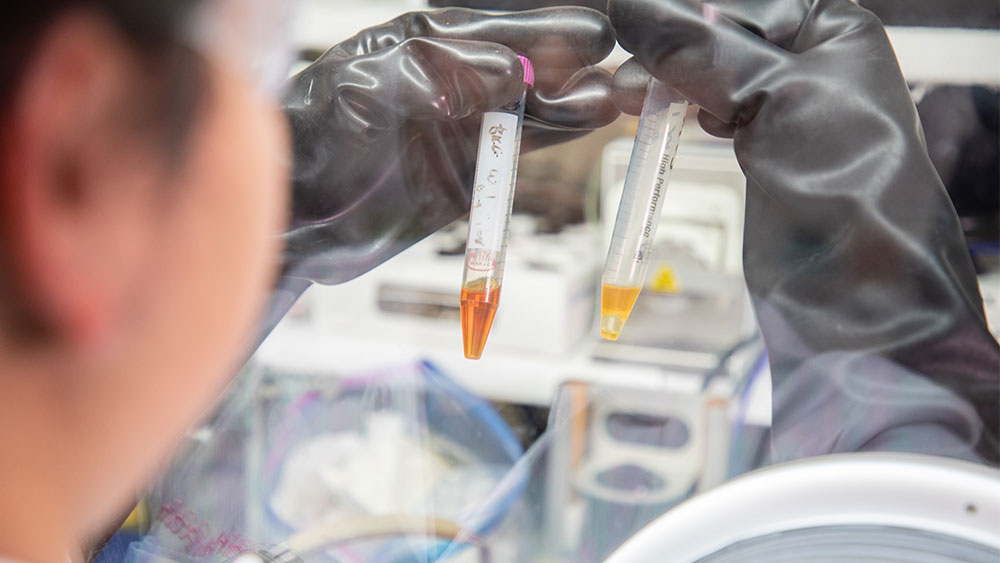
616 304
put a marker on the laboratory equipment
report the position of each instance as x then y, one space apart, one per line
489 217
399 460
837 508
706 201
648 173
620 456
302 546
399 442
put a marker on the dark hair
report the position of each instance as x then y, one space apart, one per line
169 100
153 27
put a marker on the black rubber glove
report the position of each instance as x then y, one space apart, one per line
385 125
853 254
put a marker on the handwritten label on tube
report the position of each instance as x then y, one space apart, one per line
492 187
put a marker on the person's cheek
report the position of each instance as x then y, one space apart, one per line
277 189
269 146
227 249
256 184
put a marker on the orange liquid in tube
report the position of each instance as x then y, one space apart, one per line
479 307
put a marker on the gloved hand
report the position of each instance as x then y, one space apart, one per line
853 254
385 125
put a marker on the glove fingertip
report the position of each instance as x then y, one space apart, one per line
620 14
715 126
584 102
628 87
472 76
506 82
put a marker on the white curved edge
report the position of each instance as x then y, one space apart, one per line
947 55
947 496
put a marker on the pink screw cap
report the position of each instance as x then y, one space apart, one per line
529 71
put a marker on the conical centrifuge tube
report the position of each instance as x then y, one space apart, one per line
489 218
646 181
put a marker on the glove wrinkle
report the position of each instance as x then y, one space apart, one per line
385 125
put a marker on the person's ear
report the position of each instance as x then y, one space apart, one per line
74 210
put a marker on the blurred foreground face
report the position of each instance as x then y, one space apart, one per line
216 254
146 261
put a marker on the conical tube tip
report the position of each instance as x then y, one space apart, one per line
474 341
611 326
477 311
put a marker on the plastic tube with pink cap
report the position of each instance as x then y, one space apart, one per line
489 218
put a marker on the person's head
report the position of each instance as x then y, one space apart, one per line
141 190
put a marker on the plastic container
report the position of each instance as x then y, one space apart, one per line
404 441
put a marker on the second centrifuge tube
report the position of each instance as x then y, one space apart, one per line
639 211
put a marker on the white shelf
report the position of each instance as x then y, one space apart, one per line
511 377
522 378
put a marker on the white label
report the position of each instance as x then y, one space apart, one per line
493 186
